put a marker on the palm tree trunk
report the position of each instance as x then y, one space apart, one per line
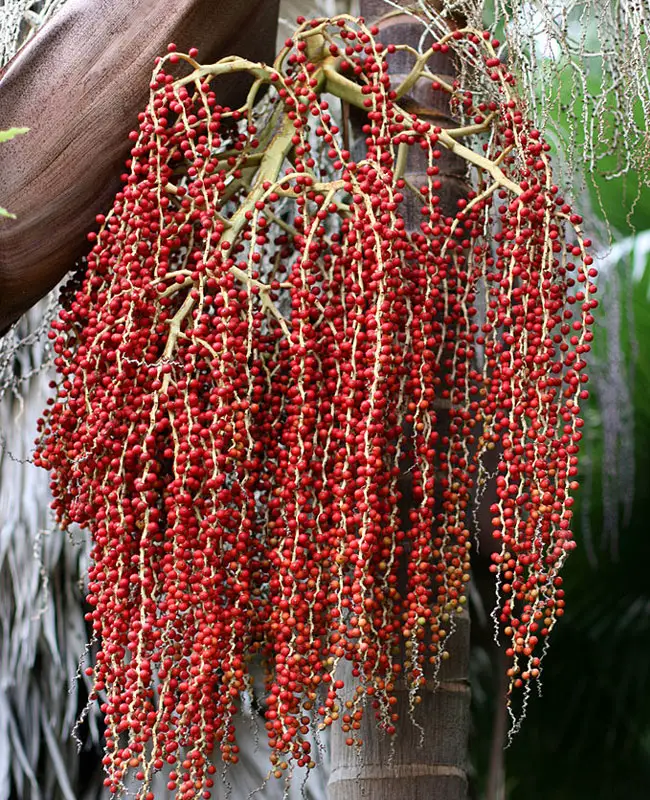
427 758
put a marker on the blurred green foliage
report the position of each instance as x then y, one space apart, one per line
589 736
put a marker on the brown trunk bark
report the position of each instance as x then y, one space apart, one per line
426 760
79 85
496 770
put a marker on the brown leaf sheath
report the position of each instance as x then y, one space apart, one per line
78 85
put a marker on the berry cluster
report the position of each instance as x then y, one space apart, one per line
274 399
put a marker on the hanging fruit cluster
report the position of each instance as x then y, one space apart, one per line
260 353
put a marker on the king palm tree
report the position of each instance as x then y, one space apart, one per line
42 631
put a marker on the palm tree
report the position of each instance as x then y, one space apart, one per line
43 630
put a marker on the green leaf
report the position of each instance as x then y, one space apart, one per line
5 136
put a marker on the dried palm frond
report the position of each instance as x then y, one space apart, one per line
42 628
